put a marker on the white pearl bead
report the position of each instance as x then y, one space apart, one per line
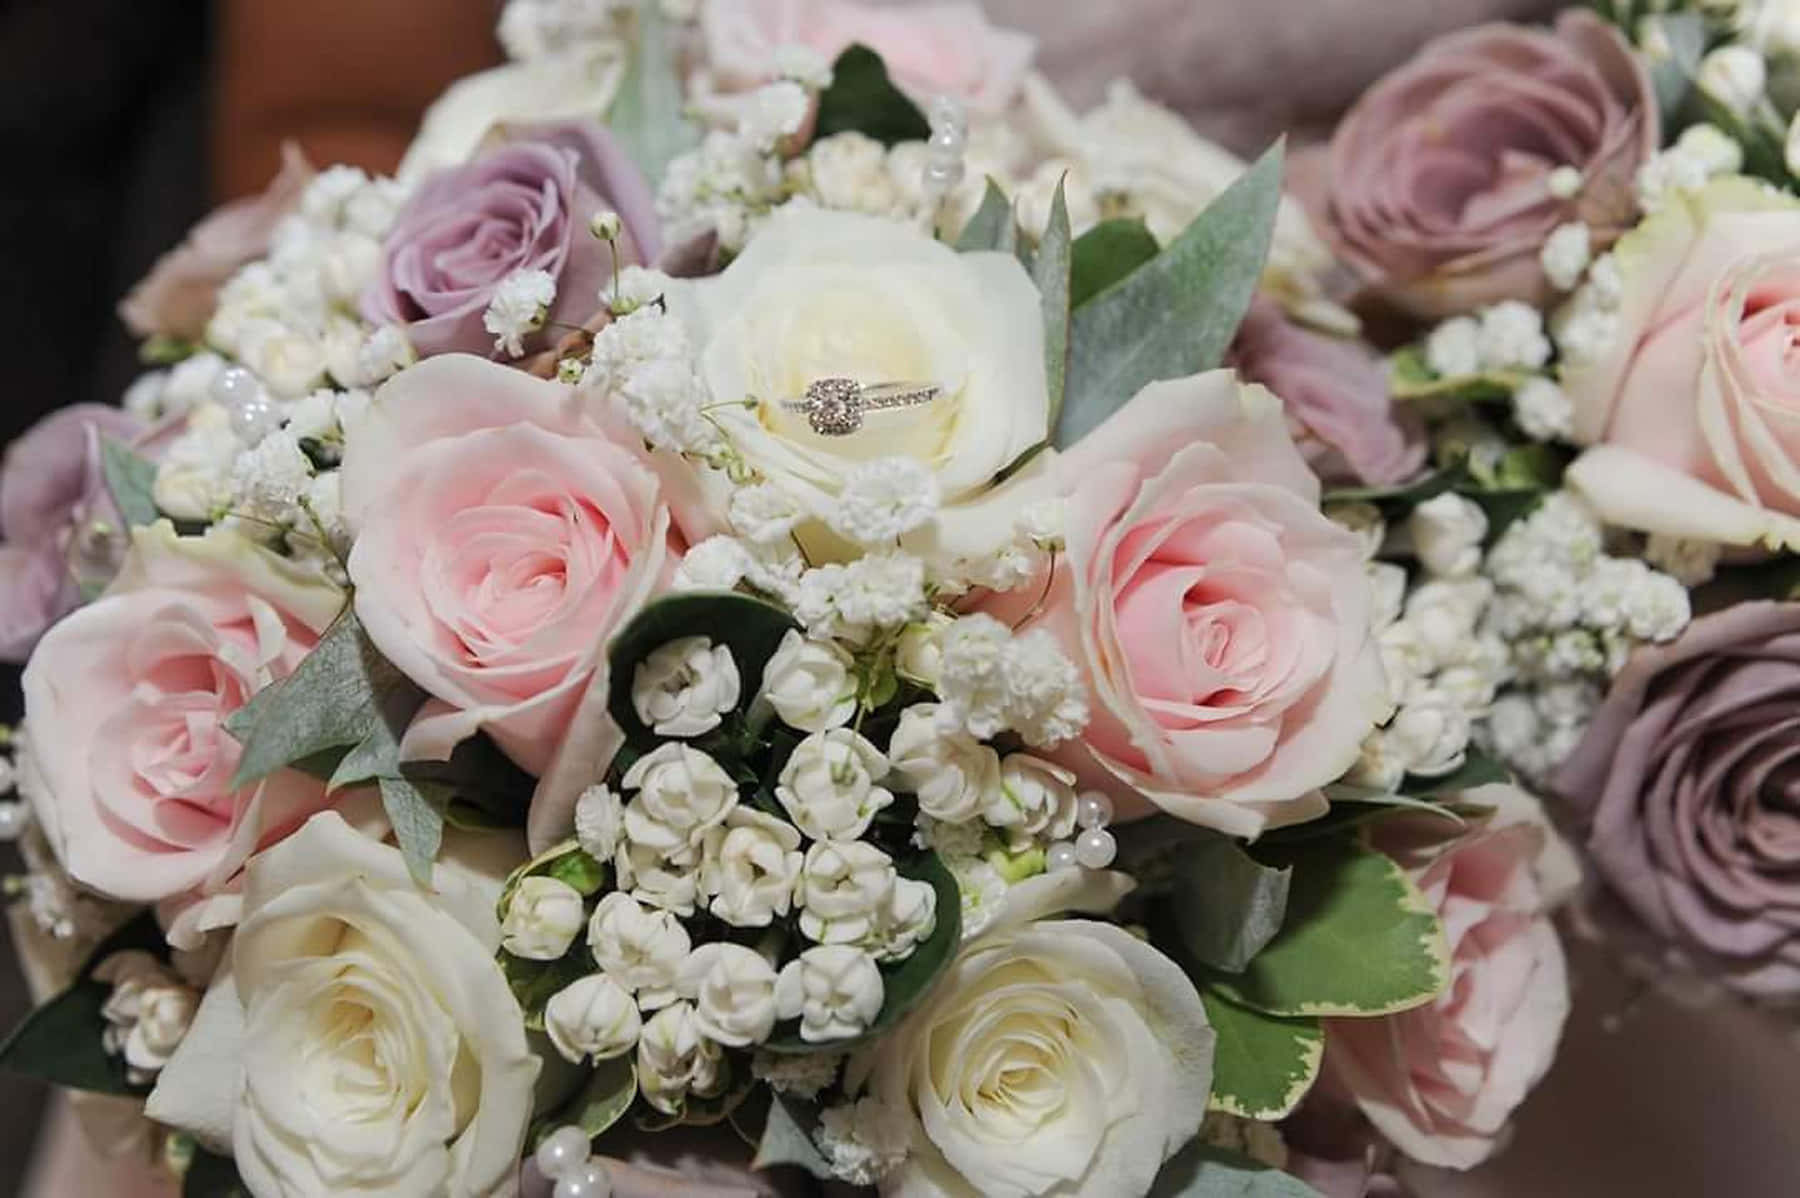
1095 848
233 386
12 821
945 145
589 1181
942 176
562 1153
1093 810
1060 856
948 113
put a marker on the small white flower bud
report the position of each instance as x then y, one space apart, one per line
592 1018
1735 76
542 919
1447 531
606 224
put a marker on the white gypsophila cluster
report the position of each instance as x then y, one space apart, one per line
774 113
1566 254
268 481
853 601
1587 325
1453 348
863 1141
635 287
763 513
1702 152
147 1015
531 29
802 1075
724 186
884 499
1511 336
1542 410
992 681
518 309
644 359
685 687
194 476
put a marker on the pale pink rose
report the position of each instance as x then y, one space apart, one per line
177 297
1694 406
127 763
1441 1080
929 49
506 526
1222 622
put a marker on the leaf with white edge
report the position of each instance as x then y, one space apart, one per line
750 628
1202 1171
1410 379
863 99
993 227
1226 906
648 116
1175 315
131 479
787 1140
1360 938
1478 769
1050 271
416 809
1263 1065
1106 254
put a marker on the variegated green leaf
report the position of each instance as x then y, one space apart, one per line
1263 1065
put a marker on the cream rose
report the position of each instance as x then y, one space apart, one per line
362 1040
820 295
1692 409
1064 1057
129 765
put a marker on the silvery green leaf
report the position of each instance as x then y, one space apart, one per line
1106 254
1175 315
1050 270
1202 1171
132 481
416 809
647 115
1226 906
993 227
785 1139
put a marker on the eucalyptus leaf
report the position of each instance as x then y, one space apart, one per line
993 227
416 809
1359 938
131 479
1263 1065
1672 77
1203 1171
1050 270
751 628
1225 905
647 116
787 1140
1105 254
862 99
1175 315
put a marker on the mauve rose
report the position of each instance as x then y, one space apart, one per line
1335 391
1439 193
177 297
523 205
1690 777
62 529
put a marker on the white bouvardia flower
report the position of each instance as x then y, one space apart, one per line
675 1059
835 990
750 868
845 891
733 992
684 688
640 949
950 773
810 683
593 1018
830 784
543 917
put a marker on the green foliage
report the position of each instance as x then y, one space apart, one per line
416 809
1224 906
1411 380
1202 1171
132 481
862 99
604 1097
210 1176
647 116
1105 254
993 227
1051 271
1263 1065
786 1138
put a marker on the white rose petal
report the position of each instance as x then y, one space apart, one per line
592 1019
835 991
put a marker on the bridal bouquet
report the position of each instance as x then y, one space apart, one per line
775 578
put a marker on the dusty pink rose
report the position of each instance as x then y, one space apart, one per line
177 297
127 762
63 531
1441 1080
1222 622
523 205
1336 393
1439 193
929 49
1690 779
1693 404
504 530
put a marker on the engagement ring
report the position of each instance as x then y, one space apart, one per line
835 406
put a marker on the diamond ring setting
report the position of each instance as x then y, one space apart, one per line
834 407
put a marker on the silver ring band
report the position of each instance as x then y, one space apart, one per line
835 406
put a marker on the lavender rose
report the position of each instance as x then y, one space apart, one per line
1690 776
524 205
61 527
1336 395
1444 181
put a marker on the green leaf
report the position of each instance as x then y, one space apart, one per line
1106 254
132 481
1672 78
601 1102
751 628
1224 905
160 349
341 694
416 809
1202 1171
1402 496
1359 938
1177 314
787 1140
993 227
1354 806
1478 769
1050 270
1263 1065
580 872
1411 380
647 117
534 983
60 1041
862 99
908 982
211 1176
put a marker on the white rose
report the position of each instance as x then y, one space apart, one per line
640 949
339 949
809 683
1035 799
828 785
685 686
952 773
820 294
733 991
835 991
750 867
845 890
1447 532
1112 1034
674 1059
543 918
592 1018
681 792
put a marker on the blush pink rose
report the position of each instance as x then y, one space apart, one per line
1221 621
1439 195
1693 406
1441 1080
127 763
506 526
929 49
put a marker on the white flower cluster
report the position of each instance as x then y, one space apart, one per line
1585 327
643 358
1702 152
993 681
147 1014
1508 336
518 309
